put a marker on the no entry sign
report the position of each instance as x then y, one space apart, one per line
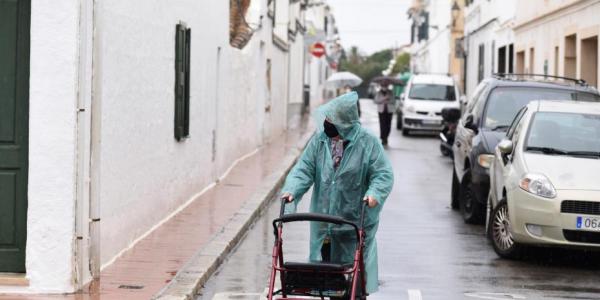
317 49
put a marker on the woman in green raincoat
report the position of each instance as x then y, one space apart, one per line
347 166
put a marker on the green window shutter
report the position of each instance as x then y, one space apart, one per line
186 110
182 82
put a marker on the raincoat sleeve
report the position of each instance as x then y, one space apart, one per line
379 174
302 176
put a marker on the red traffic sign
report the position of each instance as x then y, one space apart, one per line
317 49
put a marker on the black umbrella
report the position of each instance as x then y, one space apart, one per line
387 80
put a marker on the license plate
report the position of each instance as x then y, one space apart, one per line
432 122
588 223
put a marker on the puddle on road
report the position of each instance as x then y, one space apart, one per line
495 296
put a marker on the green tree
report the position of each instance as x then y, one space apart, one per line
402 64
365 67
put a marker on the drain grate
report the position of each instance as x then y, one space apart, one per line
131 287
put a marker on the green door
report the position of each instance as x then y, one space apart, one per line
14 115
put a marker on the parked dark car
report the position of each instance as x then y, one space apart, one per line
488 115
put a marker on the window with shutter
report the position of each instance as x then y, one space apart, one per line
182 81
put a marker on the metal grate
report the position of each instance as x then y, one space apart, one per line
580 207
131 287
582 236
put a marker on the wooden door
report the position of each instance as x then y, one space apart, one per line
14 116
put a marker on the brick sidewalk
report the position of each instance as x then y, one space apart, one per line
145 269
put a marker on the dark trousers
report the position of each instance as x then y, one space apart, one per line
385 124
326 252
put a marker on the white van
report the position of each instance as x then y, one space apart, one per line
423 100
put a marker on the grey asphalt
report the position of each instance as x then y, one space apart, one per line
425 249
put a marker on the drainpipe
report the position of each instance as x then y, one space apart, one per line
288 82
95 144
81 272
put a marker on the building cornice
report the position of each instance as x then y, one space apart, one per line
486 24
559 11
280 43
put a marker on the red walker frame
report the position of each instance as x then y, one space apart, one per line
277 261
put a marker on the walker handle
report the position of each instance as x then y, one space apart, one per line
362 213
283 203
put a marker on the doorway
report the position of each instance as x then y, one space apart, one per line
521 62
14 132
570 69
589 60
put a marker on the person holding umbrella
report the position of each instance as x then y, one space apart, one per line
386 104
345 81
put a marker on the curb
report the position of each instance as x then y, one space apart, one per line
196 272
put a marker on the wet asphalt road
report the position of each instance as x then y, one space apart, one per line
425 249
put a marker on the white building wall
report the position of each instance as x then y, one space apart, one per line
488 23
544 34
144 174
433 55
296 58
485 37
138 110
52 156
318 68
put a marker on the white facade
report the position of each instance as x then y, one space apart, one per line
433 55
101 120
559 39
488 27
52 152
318 69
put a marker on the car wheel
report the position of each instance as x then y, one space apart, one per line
405 132
500 232
399 121
454 204
469 206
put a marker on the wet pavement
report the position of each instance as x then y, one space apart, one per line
425 249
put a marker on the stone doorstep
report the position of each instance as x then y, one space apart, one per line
199 268
14 279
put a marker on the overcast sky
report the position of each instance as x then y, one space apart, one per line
372 25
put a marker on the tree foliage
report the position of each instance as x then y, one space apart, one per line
402 64
365 67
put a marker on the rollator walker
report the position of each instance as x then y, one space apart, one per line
318 279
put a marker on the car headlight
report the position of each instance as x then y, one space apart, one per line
485 160
537 184
410 109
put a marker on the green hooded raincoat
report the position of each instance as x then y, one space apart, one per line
363 171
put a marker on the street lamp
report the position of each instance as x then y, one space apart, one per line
455 13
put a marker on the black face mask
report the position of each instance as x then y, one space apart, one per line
330 129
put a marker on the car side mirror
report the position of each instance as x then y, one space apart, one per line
402 97
505 146
470 123
463 99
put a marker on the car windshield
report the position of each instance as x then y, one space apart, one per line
505 102
556 133
438 92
